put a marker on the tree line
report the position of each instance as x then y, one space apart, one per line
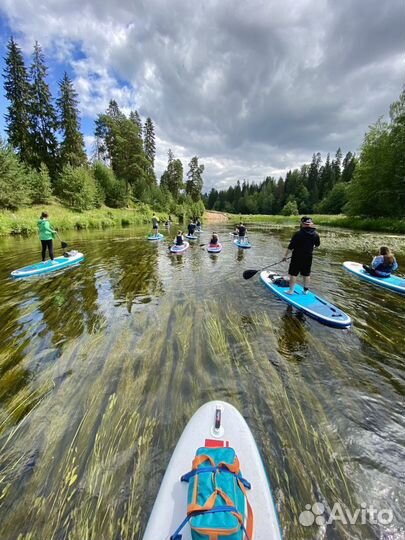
371 184
45 155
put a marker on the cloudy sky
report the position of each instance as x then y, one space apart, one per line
251 87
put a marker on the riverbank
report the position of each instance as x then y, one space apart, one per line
24 220
396 226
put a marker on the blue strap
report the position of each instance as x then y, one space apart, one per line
186 477
177 536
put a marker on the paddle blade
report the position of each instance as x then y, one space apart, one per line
247 274
64 245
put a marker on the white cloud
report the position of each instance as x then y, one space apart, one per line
253 89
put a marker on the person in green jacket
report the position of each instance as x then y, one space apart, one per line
46 234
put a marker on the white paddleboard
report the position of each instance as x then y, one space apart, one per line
170 506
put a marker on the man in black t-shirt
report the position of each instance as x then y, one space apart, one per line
302 245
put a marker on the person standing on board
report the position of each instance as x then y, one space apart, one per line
155 224
46 234
242 230
191 228
302 245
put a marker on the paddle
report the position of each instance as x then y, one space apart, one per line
247 274
63 244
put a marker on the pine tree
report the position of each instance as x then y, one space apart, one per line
313 180
43 117
149 141
72 146
136 119
17 92
195 181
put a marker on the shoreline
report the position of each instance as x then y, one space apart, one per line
393 226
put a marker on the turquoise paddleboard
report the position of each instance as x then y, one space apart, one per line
155 237
49 266
393 283
309 303
244 245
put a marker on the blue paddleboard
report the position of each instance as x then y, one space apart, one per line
155 237
309 303
245 245
191 237
393 283
49 266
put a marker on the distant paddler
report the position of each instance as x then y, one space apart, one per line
155 225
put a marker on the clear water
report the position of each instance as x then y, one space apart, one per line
102 365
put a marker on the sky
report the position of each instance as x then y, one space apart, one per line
253 88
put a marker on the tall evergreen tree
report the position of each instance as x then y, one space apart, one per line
313 180
149 141
72 146
43 118
134 116
195 181
349 165
17 92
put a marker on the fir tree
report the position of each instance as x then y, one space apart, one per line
72 146
149 141
43 117
136 119
17 92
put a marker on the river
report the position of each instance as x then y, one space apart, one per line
101 367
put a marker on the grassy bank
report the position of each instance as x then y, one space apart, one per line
24 221
357 223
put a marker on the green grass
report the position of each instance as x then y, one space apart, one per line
357 223
24 221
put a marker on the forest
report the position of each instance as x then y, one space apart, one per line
45 158
371 184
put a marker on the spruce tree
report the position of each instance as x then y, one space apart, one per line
72 146
136 119
149 141
43 118
17 92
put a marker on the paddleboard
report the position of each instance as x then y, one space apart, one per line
214 248
393 283
49 266
191 237
221 424
309 303
245 245
155 237
179 249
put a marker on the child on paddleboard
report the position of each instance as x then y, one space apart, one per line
46 234
155 225
383 264
214 239
302 245
179 238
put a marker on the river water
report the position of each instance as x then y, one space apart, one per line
102 365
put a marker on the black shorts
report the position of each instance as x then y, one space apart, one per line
300 265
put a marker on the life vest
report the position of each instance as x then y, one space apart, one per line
217 505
